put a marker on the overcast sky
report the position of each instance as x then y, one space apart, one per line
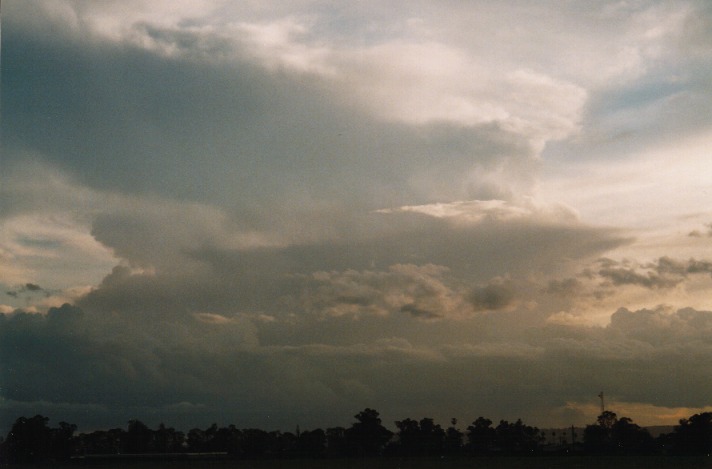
277 213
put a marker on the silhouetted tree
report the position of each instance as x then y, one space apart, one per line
408 436
432 436
62 441
256 442
598 437
481 436
282 444
226 439
102 441
367 437
31 440
210 441
694 435
196 441
168 440
614 435
629 437
420 438
138 438
453 439
28 440
517 437
312 443
336 444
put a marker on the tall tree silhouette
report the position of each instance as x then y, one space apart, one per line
629 437
613 435
168 440
367 437
138 438
481 436
62 441
420 438
453 438
102 441
694 435
28 440
311 443
517 437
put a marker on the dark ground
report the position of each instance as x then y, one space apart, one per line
536 462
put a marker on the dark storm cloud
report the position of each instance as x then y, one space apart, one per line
69 357
72 361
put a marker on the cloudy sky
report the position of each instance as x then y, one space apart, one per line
280 213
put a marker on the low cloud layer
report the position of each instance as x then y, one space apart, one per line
208 365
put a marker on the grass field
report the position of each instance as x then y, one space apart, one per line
543 462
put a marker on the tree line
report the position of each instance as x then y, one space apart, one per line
32 440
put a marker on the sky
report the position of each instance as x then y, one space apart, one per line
273 214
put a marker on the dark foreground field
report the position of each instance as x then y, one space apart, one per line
543 462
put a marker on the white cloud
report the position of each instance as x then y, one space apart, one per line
475 211
413 81
53 250
564 318
278 46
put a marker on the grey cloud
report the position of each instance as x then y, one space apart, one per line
565 287
417 312
219 133
663 327
691 266
28 288
665 272
186 43
422 291
233 179
698 233
698 267
484 249
358 269
258 283
652 356
496 295
69 356
622 276
174 372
